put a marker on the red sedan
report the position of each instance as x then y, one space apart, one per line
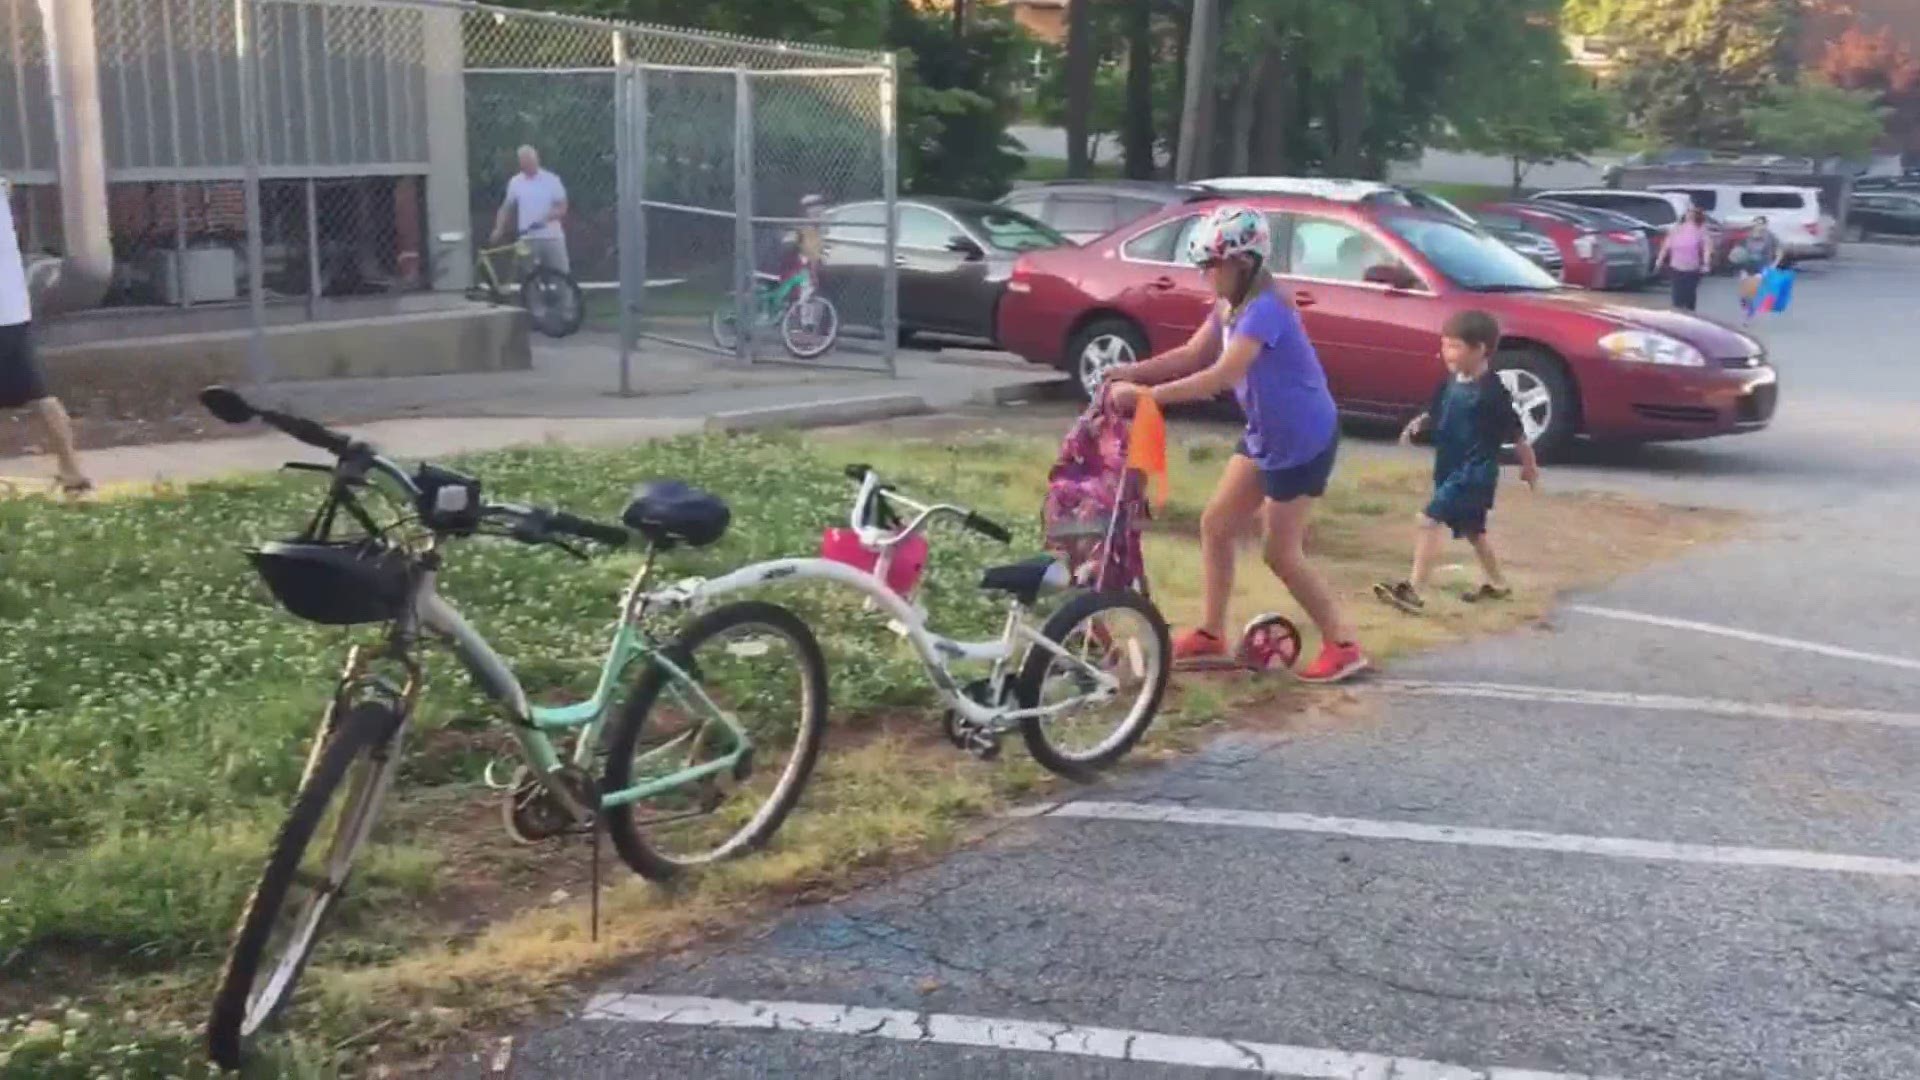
1374 284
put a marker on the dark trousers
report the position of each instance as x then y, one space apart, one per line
1686 289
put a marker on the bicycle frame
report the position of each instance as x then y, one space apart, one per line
936 652
534 725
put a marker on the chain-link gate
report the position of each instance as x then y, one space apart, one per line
764 227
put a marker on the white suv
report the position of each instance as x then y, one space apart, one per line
1793 214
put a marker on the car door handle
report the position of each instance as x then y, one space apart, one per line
1304 299
1161 284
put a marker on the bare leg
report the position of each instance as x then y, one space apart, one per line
1426 548
1489 562
1286 554
1236 498
59 429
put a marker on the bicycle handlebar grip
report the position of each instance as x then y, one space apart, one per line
610 535
992 530
858 473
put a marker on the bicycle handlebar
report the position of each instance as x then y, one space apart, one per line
871 489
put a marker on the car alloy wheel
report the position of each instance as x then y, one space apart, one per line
1098 355
1531 399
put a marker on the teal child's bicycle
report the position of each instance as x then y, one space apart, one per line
808 322
704 761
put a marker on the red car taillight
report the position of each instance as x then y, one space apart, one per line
1623 237
1020 280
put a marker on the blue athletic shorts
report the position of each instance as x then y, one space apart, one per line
1307 479
1462 505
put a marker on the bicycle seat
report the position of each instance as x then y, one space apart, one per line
1027 579
669 513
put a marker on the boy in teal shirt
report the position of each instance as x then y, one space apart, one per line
1472 420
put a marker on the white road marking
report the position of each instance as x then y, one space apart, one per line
1553 695
1814 647
1612 847
1113 1044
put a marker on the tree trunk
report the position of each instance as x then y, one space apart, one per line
1519 176
959 19
1246 110
1137 133
1276 120
1350 118
1081 56
1202 45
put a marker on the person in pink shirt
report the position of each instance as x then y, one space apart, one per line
1688 254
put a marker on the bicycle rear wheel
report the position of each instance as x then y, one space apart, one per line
337 803
1118 633
756 663
724 325
554 301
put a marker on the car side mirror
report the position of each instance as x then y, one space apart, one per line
1392 275
962 245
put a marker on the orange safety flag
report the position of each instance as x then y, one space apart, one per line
1147 445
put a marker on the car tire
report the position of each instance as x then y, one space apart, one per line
1544 395
1101 344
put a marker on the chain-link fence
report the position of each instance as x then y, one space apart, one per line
294 160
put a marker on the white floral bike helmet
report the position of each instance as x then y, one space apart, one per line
1227 231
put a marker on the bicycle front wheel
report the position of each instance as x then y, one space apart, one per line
1120 634
724 325
280 926
747 669
554 301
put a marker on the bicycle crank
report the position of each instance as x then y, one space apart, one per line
532 811
975 738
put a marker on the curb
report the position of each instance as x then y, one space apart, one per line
1023 393
821 413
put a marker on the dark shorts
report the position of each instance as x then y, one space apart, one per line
1305 480
1461 505
21 382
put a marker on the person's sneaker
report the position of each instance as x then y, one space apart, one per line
1336 663
1485 593
1401 595
1198 645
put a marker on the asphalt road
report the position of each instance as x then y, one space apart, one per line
1613 847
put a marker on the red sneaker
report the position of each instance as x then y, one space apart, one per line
1335 663
1198 645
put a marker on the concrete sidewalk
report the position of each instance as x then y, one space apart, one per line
569 399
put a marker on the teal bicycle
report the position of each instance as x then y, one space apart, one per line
808 322
704 761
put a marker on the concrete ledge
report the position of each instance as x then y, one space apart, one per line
821 413
1021 393
141 371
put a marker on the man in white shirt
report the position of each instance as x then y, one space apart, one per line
22 384
538 200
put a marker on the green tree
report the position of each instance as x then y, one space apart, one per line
1554 115
1691 67
1819 120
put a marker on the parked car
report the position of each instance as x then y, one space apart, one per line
1616 226
1793 213
1595 254
1374 284
1908 181
1890 213
1538 248
1083 210
954 258
1661 210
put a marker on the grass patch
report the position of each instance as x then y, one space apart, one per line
155 728
1467 196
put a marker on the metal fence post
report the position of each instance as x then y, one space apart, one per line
246 16
626 204
743 262
890 184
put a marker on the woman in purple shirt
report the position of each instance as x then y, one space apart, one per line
1254 344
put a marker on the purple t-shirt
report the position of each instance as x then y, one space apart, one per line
1290 414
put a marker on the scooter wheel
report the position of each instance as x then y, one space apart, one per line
1269 642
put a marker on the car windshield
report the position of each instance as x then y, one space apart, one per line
1009 230
1473 261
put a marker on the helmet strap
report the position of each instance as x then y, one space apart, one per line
1252 283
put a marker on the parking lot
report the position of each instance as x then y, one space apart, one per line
1674 833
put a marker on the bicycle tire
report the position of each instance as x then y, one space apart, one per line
546 281
827 340
236 1015
724 325
1033 673
645 858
